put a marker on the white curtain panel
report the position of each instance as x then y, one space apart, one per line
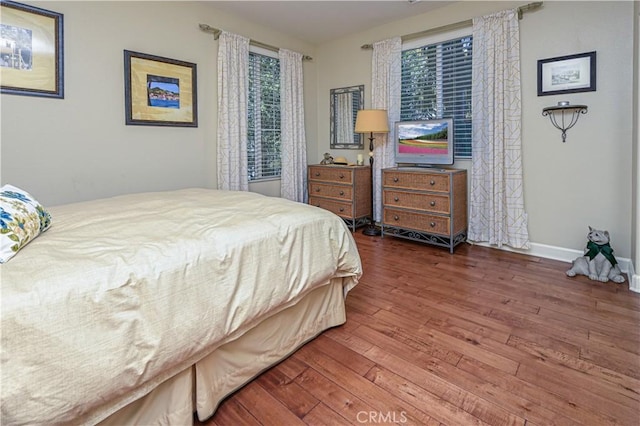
386 69
496 211
233 63
294 142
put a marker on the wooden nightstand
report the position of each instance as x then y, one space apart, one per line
427 205
343 190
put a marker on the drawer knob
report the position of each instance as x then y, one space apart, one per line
432 182
432 224
433 203
341 209
396 217
341 192
317 189
395 179
341 176
317 174
396 199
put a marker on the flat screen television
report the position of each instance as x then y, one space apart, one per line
425 142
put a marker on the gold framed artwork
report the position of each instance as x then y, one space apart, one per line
31 51
159 91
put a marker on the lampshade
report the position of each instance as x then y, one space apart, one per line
372 120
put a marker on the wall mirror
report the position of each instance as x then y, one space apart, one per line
345 103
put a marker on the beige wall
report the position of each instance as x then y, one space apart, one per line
587 180
79 148
568 186
635 212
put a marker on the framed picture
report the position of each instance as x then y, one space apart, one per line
567 74
31 51
159 91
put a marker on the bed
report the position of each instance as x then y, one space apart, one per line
146 308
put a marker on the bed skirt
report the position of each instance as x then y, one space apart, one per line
202 387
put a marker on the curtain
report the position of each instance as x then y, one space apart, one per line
294 143
496 205
386 68
233 63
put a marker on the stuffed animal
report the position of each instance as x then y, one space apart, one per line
598 262
328 159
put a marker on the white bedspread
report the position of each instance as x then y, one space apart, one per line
122 293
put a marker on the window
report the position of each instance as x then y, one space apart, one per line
263 144
436 83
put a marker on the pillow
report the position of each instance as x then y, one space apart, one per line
22 219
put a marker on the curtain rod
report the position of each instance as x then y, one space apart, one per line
216 34
457 25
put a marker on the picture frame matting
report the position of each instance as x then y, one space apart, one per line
31 51
159 91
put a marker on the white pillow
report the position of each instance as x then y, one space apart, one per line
22 219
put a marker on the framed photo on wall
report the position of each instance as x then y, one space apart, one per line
567 74
159 91
31 51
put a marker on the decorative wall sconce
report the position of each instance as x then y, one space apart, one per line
563 113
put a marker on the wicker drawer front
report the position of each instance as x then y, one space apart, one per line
420 222
330 174
420 181
338 207
333 191
433 203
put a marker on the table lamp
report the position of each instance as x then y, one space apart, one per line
372 121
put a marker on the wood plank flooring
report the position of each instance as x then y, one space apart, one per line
481 337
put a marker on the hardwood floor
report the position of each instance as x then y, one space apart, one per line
479 337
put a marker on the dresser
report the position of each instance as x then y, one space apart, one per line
427 205
343 190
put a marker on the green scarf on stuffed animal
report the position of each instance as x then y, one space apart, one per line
593 249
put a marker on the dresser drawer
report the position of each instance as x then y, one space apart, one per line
343 209
334 191
419 181
420 222
434 203
330 174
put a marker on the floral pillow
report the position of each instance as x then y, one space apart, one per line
22 219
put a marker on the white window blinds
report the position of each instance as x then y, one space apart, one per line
436 83
263 144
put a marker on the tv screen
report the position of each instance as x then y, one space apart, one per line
424 142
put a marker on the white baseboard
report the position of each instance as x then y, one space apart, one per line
569 255
634 279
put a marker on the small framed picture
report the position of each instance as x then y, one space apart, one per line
31 51
159 91
567 74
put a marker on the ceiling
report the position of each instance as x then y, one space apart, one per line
317 22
